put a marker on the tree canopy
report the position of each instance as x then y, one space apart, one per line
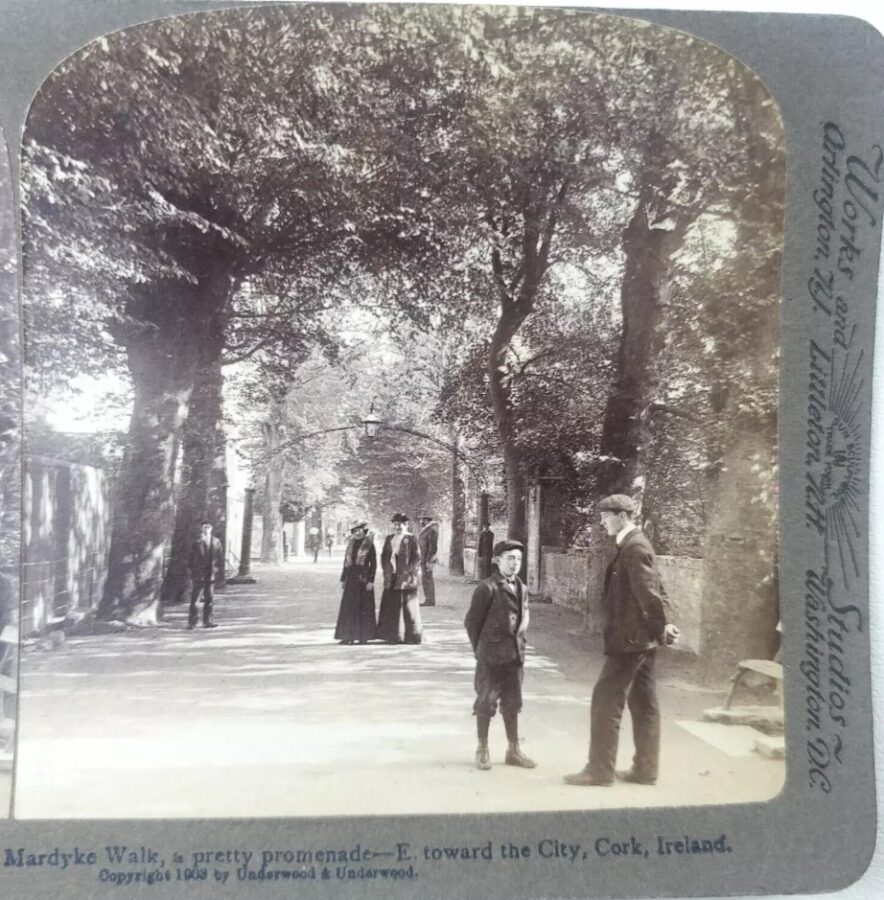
544 237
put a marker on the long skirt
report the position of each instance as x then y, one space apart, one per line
356 620
398 607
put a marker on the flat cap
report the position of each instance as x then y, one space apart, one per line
359 527
503 546
399 517
617 503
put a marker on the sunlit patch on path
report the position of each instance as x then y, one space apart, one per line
151 723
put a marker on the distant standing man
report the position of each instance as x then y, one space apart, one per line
400 562
485 551
206 562
330 539
428 541
635 611
497 623
315 542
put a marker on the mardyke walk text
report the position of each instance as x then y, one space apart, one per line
124 865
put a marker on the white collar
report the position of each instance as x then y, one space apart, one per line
624 531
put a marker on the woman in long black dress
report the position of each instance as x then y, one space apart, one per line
356 619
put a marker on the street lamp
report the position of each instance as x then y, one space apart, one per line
371 423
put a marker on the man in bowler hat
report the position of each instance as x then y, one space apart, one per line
635 614
206 561
428 541
497 622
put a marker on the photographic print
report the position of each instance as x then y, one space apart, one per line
444 462
409 294
10 478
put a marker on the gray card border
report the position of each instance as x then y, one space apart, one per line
820 69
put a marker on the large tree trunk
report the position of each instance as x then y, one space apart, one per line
458 510
170 328
540 212
739 601
500 390
739 605
143 504
274 479
627 425
203 488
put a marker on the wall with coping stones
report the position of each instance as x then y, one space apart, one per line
565 578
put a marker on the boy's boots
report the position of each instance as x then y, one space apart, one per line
515 757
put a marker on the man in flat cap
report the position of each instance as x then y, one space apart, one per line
496 623
635 610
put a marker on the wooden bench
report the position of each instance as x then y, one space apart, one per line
766 667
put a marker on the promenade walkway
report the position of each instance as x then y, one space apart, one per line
267 715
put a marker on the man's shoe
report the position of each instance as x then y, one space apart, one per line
209 625
633 777
515 757
483 757
191 626
585 778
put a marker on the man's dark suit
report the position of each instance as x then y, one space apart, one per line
428 541
206 561
635 608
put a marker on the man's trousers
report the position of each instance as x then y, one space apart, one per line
625 679
205 588
429 585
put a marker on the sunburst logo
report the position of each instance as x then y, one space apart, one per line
836 471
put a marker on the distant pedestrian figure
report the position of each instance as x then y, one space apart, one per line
206 563
315 542
400 561
428 541
635 610
496 623
330 539
356 618
485 552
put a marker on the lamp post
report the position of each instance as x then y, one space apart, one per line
244 575
371 423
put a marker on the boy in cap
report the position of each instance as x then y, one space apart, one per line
635 610
496 623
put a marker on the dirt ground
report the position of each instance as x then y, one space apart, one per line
267 715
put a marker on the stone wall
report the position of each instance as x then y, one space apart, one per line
565 579
66 537
683 579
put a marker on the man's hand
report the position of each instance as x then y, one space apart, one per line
670 635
